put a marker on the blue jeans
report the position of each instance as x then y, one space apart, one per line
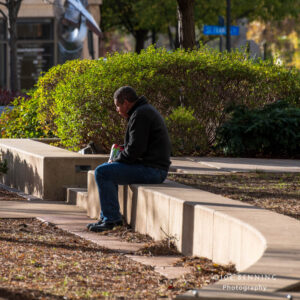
109 175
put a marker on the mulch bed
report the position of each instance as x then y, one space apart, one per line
149 247
6 195
127 234
279 192
41 261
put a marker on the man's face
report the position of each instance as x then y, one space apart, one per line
122 108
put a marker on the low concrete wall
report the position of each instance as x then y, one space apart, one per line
43 170
93 206
197 220
264 246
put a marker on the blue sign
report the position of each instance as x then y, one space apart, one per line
220 30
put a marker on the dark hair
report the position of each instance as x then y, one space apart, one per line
125 93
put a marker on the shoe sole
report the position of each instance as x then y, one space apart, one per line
88 226
96 228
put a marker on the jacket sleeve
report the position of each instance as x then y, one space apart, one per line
138 137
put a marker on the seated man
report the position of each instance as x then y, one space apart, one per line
145 158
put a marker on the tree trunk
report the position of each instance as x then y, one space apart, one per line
153 36
176 40
171 40
140 38
13 10
14 81
186 24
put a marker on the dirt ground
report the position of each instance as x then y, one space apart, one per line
9 196
40 261
279 192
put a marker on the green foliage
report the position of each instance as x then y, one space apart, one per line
133 16
46 89
74 101
138 18
21 121
272 130
3 167
186 133
207 12
7 97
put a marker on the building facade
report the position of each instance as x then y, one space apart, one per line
39 41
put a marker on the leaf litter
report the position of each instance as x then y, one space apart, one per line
41 261
6 195
279 192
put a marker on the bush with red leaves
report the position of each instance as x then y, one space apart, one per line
6 97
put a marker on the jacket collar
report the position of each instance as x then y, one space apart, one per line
141 101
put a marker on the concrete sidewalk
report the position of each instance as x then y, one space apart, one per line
216 165
74 220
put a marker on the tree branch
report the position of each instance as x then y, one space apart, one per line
210 38
245 13
3 14
128 25
18 5
125 19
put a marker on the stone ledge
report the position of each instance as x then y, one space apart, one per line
43 170
77 196
264 246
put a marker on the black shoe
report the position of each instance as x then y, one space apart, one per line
104 226
88 226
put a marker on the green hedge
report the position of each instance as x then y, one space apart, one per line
273 130
22 121
3 167
75 100
186 133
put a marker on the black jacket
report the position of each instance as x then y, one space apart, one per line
146 140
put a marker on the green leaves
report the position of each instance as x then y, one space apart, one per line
3 167
273 130
186 133
159 16
21 121
132 16
191 89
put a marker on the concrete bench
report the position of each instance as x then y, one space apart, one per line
43 170
264 246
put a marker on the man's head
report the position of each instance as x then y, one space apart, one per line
124 98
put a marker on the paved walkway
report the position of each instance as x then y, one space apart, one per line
74 220
212 165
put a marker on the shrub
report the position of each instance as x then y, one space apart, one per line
21 121
273 130
7 97
186 134
82 109
75 99
3 167
45 93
